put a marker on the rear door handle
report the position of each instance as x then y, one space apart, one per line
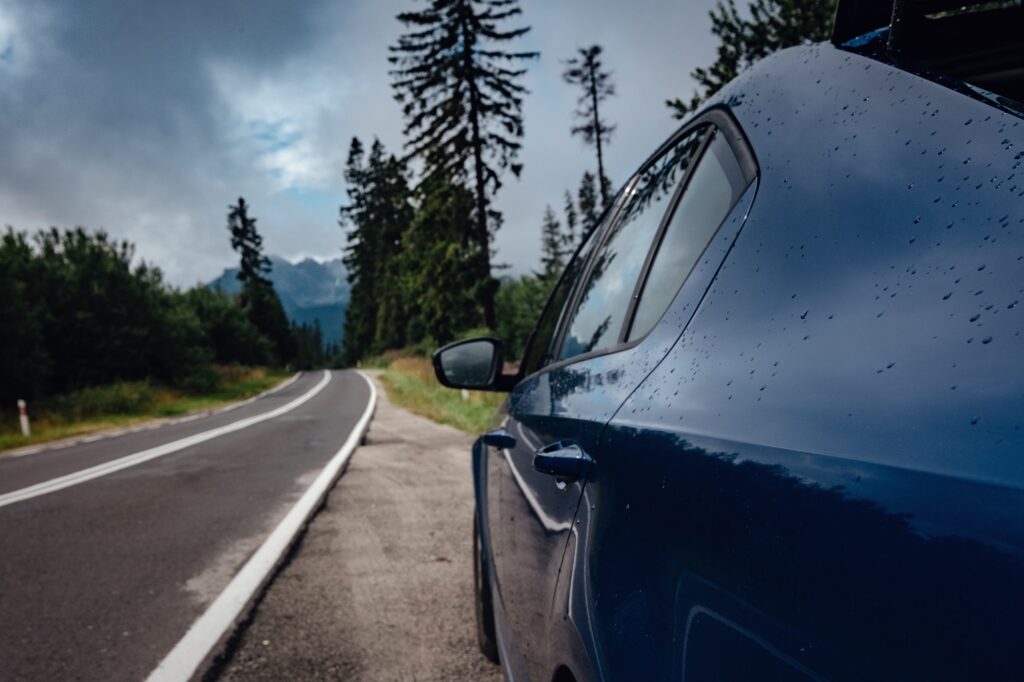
564 460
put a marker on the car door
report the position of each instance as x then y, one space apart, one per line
589 368
616 553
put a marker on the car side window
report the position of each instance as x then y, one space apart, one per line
538 349
712 189
603 301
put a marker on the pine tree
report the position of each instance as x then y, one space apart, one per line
552 247
436 274
462 100
392 196
258 297
309 346
590 212
586 71
360 260
571 219
772 26
254 266
378 213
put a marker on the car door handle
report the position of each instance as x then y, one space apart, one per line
564 460
499 438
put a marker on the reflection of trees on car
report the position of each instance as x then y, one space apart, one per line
661 179
573 345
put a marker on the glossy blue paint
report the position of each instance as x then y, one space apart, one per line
813 467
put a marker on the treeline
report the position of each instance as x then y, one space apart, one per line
420 251
79 312
412 272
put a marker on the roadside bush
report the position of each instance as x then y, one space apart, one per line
82 314
226 328
123 398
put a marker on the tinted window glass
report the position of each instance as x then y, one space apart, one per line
603 302
537 351
714 186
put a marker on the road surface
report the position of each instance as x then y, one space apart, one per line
103 570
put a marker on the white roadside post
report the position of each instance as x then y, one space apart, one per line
23 418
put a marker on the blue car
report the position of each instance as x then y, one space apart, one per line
770 424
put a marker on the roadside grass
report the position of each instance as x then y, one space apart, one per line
125 403
410 383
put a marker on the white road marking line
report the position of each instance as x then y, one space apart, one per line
84 475
144 426
190 652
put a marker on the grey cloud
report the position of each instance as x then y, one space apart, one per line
148 118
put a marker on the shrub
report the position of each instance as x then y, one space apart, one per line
123 398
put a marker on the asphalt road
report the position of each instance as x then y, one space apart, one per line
100 580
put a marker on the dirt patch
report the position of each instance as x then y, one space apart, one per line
381 586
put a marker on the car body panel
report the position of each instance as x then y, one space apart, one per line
826 469
813 465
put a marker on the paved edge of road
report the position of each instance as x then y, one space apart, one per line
90 473
142 426
222 616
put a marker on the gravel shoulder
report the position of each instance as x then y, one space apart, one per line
380 587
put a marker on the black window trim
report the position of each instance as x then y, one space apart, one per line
718 120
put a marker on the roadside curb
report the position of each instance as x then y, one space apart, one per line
147 425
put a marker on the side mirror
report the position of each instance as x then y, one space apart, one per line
473 364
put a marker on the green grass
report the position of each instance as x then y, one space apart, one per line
410 383
126 403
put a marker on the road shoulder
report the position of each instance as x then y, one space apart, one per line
380 587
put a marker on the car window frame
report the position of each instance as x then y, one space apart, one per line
666 223
622 200
717 120
597 235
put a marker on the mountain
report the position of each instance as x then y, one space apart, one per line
309 291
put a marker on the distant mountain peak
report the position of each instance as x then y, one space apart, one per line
309 291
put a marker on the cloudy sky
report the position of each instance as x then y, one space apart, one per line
148 117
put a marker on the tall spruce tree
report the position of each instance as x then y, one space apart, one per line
552 246
571 219
590 210
360 259
461 96
437 276
253 265
587 72
771 26
392 196
377 214
258 297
